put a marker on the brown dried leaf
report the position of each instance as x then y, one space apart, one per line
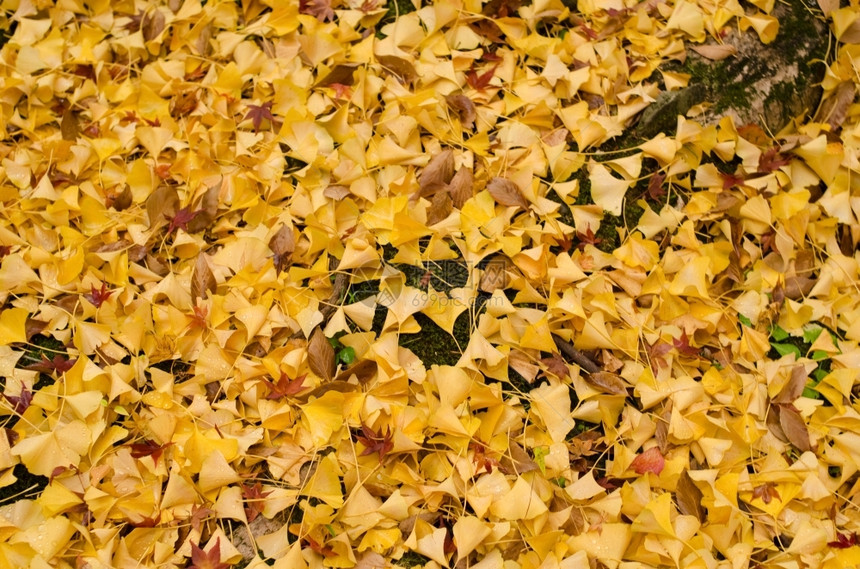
689 497
662 432
183 104
336 192
519 460
69 126
792 390
152 25
364 371
608 382
461 186
283 244
794 427
398 66
834 109
828 6
437 173
161 205
321 355
556 366
202 279
122 201
465 109
523 365
440 208
507 193
715 52
495 275
208 210
341 74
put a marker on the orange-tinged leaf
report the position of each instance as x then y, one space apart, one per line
649 461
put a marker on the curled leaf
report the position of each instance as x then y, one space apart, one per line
465 109
715 52
608 383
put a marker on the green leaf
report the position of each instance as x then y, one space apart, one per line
540 453
561 481
346 356
777 333
745 321
811 333
785 349
819 374
810 393
819 355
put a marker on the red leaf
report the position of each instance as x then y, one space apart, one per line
482 81
199 514
683 346
320 548
58 365
844 540
480 458
374 442
98 296
285 386
20 403
212 560
148 448
254 500
587 238
771 160
181 219
319 9
730 180
649 461
256 113
341 91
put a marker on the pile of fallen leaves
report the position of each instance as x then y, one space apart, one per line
208 210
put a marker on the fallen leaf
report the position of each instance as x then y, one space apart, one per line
608 383
794 428
461 187
715 52
321 355
649 461
465 109
202 279
507 193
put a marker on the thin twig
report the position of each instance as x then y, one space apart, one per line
580 359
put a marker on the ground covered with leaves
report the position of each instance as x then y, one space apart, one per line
401 283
